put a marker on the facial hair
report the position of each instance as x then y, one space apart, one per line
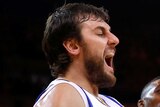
95 70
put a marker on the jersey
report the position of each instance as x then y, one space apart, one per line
89 99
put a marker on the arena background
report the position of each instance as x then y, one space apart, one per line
24 72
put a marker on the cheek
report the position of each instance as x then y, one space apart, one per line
97 47
95 44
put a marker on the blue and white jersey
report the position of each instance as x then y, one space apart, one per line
89 99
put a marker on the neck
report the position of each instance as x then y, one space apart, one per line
82 82
76 73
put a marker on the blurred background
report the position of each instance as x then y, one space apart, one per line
24 72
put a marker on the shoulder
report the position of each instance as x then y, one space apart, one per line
62 95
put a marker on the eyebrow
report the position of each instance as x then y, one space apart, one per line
102 28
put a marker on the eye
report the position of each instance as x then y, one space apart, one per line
100 34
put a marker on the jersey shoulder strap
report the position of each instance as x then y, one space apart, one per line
111 101
59 81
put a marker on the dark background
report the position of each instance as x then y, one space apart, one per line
24 71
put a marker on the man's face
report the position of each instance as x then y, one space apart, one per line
152 98
99 49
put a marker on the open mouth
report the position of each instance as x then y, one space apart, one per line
108 61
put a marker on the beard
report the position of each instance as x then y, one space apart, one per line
95 71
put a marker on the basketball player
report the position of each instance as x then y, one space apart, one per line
150 96
79 46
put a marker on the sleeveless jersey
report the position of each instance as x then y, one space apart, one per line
89 99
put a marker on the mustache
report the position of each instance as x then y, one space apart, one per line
110 50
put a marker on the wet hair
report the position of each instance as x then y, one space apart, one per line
63 24
145 89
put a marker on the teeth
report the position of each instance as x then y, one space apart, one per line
109 56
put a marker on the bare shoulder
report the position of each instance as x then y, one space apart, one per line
63 95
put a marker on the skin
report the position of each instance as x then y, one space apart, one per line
89 68
152 96
99 43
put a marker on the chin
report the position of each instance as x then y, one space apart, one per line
113 83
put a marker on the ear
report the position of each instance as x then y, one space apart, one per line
72 46
140 103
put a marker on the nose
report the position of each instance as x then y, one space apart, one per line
113 40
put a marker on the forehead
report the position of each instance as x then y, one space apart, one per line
95 23
150 89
